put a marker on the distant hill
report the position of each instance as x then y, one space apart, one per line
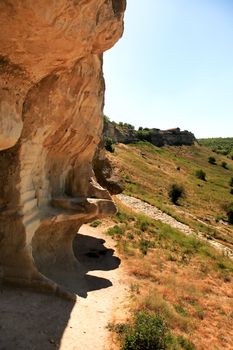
219 145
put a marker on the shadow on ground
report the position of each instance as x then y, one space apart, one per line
33 321
91 255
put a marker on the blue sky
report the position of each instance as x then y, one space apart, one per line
173 67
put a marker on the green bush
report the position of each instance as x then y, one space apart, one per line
149 332
212 160
144 135
106 119
200 174
229 212
108 144
144 244
95 223
224 165
176 192
231 182
116 230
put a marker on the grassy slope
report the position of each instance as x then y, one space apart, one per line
177 277
149 171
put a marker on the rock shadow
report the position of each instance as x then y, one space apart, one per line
90 254
31 320
93 255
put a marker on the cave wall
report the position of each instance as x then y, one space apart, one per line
51 104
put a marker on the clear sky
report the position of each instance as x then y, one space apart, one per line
173 67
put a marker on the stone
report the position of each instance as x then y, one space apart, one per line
51 102
105 173
126 134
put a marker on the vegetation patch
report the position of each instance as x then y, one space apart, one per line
95 223
219 145
175 283
200 174
176 192
149 171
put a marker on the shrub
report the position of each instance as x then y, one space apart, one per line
185 343
95 223
106 119
231 182
200 174
212 160
224 165
149 332
116 230
142 223
108 144
175 193
144 135
144 245
231 191
229 212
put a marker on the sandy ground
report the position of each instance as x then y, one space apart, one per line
31 321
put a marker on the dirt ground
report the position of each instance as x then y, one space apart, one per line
32 321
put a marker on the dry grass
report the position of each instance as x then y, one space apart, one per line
188 283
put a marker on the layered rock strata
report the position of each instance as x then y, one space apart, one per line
51 101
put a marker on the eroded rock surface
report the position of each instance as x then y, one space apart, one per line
51 101
106 174
127 134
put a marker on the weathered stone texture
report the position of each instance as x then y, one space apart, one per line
51 101
159 138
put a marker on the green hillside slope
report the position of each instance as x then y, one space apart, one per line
149 171
219 145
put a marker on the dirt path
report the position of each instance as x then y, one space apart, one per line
153 212
90 316
32 321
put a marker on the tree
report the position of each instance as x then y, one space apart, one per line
176 192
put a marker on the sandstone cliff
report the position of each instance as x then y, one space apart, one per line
51 101
127 134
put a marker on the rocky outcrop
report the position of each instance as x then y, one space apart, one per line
105 173
120 134
51 101
127 134
171 137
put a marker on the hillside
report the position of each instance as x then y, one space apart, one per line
219 145
179 285
149 171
